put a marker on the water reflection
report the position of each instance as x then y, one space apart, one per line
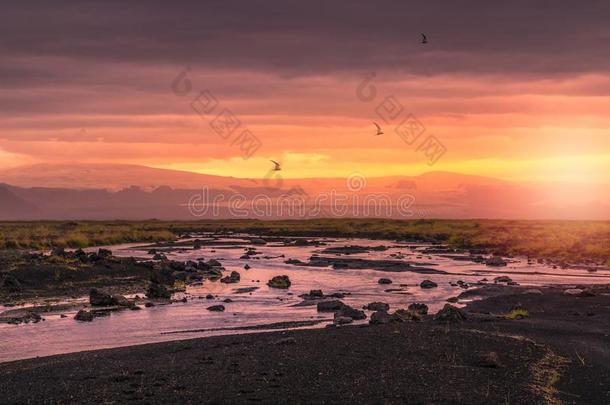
267 305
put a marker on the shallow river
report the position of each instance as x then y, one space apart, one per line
267 305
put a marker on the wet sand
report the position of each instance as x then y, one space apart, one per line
558 354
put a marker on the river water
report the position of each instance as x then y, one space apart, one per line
266 305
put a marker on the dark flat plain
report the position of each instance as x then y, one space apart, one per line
415 362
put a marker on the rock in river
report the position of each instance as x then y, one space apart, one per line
342 320
495 261
349 312
384 281
330 306
377 306
279 282
100 299
428 284
84 316
233 278
316 293
216 308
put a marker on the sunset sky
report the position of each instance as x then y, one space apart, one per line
516 90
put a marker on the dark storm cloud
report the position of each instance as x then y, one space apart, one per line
308 37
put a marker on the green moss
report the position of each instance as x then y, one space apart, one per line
518 313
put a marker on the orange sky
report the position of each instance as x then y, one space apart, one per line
532 111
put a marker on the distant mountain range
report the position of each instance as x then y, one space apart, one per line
107 192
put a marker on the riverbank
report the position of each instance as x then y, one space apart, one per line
559 242
557 353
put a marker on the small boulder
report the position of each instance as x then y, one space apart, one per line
216 308
502 279
84 316
28 317
495 261
330 306
233 278
213 273
450 314
419 308
122 301
384 281
377 306
342 320
100 299
104 253
579 292
247 267
405 315
279 282
379 318
428 284
214 263
294 261
350 312
302 242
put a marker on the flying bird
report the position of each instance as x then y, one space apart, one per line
277 166
424 38
379 131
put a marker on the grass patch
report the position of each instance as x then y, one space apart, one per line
569 241
518 313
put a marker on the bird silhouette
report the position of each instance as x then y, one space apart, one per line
277 166
424 38
379 131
